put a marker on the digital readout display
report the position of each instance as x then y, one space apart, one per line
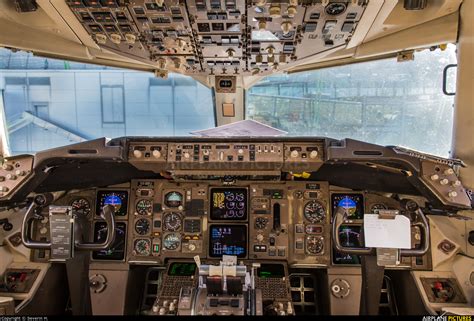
229 204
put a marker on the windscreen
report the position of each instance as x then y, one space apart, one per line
49 103
384 102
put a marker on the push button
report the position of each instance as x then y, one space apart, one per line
281 252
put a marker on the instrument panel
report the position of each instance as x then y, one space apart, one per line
287 221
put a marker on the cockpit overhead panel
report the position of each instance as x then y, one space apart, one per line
216 37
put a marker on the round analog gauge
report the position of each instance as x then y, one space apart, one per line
81 207
314 212
172 241
142 247
142 226
173 199
172 222
334 9
314 244
144 207
378 206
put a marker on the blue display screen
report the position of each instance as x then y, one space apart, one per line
352 203
118 199
228 240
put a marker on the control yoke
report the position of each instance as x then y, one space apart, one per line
106 214
34 212
341 215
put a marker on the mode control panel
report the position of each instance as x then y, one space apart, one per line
225 153
220 157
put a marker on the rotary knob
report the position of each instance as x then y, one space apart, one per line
452 194
137 153
448 171
11 177
156 153
19 172
116 38
130 38
192 247
434 177
313 154
275 10
260 223
444 181
286 27
7 167
43 230
260 237
294 153
291 11
186 155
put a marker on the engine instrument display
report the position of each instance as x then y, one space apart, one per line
229 204
352 203
174 199
314 212
228 240
349 236
116 252
118 199
182 269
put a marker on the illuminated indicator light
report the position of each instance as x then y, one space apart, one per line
156 248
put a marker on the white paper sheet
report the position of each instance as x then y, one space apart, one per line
389 233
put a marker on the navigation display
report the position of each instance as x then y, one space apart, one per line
116 252
229 204
353 203
228 240
118 199
348 236
182 269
